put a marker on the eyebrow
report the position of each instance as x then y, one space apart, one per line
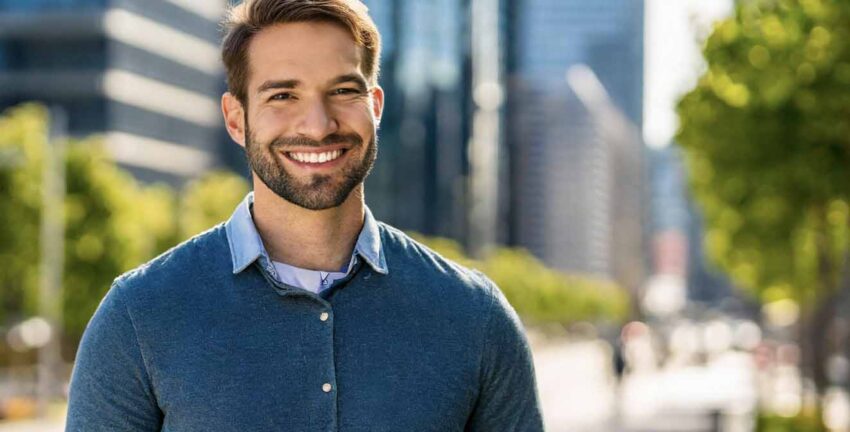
278 84
294 83
351 78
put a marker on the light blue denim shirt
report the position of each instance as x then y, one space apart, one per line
246 246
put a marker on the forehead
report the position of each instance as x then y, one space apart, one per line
307 51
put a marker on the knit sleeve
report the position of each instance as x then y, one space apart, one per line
110 385
507 399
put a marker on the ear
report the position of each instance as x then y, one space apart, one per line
377 103
234 117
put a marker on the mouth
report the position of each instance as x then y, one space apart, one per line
316 158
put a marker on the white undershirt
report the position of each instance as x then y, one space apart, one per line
311 280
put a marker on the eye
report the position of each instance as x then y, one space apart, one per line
281 96
345 91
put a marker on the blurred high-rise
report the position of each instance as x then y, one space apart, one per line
144 73
575 80
478 110
418 181
568 180
678 237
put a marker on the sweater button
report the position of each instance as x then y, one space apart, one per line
324 316
326 387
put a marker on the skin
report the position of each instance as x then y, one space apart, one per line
306 88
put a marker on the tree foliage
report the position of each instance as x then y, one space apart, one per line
766 137
540 294
22 137
111 223
210 200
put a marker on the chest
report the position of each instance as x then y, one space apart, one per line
359 365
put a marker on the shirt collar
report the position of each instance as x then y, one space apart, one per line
246 245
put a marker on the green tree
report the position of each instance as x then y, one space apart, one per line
539 294
766 138
111 223
23 133
210 200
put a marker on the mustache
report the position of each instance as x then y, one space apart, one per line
284 142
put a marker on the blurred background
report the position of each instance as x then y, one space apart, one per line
660 187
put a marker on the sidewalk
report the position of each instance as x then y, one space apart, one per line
33 426
578 392
575 384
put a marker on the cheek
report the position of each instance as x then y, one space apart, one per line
269 124
359 117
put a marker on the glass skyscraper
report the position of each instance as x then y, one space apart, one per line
576 154
147 75
144 73
606 35
419 179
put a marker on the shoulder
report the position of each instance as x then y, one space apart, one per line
181 266
465 295
418 264
409 255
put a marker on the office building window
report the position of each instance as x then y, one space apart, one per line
54 55
42 5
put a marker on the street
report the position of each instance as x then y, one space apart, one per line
578 393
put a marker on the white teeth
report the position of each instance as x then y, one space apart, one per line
316 157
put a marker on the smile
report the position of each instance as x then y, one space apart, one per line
315 157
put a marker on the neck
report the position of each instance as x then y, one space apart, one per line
310 239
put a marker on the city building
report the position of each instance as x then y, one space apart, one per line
419 180
144 74
548 36
577 181
579 175
678 238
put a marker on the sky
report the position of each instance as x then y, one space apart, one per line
674 33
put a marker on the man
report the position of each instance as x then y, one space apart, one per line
301 312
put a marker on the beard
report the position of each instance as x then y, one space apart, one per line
319 191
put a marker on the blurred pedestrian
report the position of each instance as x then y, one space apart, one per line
302 312
619 359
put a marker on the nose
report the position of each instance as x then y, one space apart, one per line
317 121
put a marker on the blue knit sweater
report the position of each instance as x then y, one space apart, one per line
185 344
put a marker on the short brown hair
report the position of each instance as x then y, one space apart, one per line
245 20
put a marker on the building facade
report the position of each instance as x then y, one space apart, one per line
578 190
145 74
418 182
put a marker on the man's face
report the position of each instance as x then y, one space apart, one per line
310 123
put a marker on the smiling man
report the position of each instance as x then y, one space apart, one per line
302 312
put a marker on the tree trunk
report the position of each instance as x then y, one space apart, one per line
816 331
818 338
